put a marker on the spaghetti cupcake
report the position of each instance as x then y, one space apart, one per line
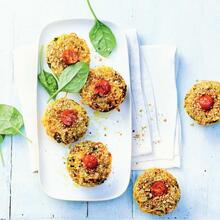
202 102
65 50
65 120
156 192
104 90
89 163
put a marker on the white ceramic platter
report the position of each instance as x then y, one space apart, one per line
113 129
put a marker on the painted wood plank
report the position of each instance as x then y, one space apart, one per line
119 208
5 98
5 171
28 200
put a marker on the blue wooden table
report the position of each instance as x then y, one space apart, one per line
194 26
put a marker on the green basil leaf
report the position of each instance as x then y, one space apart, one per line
72 78
102 38
48 81
11 120
76 84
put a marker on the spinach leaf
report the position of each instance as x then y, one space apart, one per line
48 81
73 78
1 155
11 120
101 36
76 84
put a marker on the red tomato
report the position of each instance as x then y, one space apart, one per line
90 161
206 102
102 87
68 117
158 188
70 57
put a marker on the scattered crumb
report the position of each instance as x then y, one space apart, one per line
165 120
136 136
192 124
105 135
156 141
144 127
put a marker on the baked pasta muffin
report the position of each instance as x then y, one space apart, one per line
156 192
202 102
89 163
65 120
104 90
65 50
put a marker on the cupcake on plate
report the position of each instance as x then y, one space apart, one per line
65 50
104 90
65 120
156 192
89 163
202 102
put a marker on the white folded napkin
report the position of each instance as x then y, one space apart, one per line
158 80
156 123
141 141
25 78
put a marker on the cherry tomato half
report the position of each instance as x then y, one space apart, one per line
70 57
68 117
90 161
102 87
158 188
205 102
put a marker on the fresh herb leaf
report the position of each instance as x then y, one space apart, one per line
11 121
1 155
73 78
76 84
48 81
101 36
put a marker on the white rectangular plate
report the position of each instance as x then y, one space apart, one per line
113 129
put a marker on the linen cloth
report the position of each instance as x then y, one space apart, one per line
153 72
